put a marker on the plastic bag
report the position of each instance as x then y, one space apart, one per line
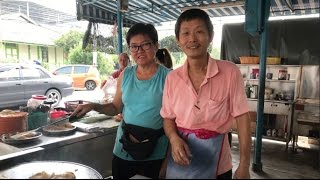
109 89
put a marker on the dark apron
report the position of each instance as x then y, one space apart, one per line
204 161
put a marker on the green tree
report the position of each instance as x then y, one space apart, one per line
170 43
109 45
125 47
79 56
69 40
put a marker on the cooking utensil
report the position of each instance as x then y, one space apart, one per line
52 122
25 170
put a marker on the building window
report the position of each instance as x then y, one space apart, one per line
44 54
11 51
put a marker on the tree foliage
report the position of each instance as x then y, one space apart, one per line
69 40
109 44
79 56
170 43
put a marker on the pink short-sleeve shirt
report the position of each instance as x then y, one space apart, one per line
220 99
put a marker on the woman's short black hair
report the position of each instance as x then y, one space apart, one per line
144 29
192 14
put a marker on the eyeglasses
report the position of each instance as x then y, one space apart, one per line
144 46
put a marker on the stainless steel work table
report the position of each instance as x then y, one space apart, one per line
91 149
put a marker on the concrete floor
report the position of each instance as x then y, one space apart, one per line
277 163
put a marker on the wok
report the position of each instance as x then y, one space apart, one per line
26 170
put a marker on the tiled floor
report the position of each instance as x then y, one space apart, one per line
277 163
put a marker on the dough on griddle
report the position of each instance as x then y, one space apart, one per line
44 175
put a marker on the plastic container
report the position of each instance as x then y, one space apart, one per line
36 100
37 119
249 60
273 60
56 115
282 74
13 122
255 73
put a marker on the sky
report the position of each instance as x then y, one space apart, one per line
67 6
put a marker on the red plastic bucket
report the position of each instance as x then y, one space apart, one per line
55 115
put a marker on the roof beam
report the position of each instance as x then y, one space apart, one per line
216 5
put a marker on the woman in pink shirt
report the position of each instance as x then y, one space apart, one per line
200 101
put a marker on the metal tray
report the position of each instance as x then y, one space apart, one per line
66 132
26 170
8 140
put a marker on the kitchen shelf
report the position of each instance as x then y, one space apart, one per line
271 80
269 100
269 65
281 110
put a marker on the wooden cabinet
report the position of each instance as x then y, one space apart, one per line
281 89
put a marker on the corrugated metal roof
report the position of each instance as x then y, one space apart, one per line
36 12
20 29
157 11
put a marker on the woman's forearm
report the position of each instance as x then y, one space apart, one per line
108 109
170 128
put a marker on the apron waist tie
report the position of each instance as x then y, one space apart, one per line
200 133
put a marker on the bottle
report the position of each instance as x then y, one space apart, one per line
35 101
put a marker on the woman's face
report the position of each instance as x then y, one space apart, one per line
143 49
194 38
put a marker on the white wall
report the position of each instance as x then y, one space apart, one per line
23 52
2 52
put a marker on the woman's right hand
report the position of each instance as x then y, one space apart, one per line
180 151
82 109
